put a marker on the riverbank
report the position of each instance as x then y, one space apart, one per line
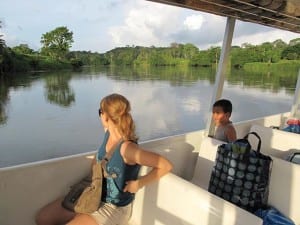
282 65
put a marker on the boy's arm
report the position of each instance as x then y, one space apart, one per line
231 133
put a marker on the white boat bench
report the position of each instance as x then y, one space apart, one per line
284 183
175 201
285 177
275 142
205 161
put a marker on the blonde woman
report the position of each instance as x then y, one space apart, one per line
119 188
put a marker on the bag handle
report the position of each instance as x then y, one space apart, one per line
258 137
294 154
107 157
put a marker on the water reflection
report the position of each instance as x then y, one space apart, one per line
58 90
274 82
177 76
8 83
60 109
3 101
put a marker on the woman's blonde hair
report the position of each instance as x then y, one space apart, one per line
117 107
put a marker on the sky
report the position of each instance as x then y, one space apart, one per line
101 25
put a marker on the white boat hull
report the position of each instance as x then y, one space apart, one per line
174 200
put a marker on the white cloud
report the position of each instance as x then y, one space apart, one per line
193 22
269 36
210 32
146 24
150 103
191 104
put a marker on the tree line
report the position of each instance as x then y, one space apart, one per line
56 44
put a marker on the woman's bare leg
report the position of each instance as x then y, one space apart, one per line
82 219
54 214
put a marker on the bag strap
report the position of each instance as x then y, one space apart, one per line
258 137
109 154
107 157
293 155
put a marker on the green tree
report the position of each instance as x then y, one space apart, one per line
2 51
292 52
143 56
190 51
294 41
57 43
23 49
278 47
279 44
266 52
201 59
177 50
214 54
2 42
246 53
157 58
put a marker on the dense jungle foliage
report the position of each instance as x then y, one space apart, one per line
55 54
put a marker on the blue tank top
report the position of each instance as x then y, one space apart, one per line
112 188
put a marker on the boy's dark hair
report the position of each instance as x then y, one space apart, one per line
224 104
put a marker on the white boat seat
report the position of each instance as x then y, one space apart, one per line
175 201
284 183
275 142
285 188
205 161
285 176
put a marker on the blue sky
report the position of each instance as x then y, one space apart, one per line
101 25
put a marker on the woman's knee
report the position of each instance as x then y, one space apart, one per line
41 218
53 214
46 216
81 219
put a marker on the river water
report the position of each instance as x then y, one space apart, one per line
48 115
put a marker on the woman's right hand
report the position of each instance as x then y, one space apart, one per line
131 186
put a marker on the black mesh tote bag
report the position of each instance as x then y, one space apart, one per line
241 175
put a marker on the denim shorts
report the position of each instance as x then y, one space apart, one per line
109 214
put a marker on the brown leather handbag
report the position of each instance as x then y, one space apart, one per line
85 196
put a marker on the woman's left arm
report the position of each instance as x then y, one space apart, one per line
132 154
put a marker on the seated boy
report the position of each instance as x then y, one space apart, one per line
224 129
